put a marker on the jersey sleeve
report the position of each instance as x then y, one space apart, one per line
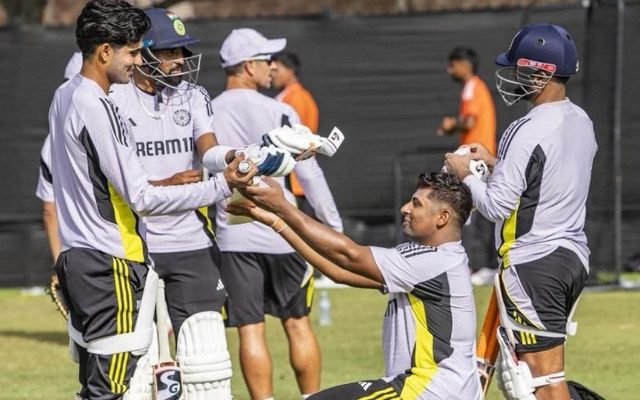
106 135
44 190
406 265
202 113
498 197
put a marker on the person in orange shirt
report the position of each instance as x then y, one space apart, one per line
476 123
285 69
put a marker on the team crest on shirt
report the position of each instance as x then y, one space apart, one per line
182 117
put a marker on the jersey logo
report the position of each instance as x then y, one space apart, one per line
365 385
165 147
182 117
410 249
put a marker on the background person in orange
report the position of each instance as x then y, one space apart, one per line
285 70
476 122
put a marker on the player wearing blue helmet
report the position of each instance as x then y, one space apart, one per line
536 196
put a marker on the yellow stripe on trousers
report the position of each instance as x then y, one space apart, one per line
375 395
124 323
423 366
310 291
117 370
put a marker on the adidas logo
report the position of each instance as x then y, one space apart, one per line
220 285
365 385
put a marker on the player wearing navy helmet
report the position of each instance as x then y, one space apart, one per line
536 196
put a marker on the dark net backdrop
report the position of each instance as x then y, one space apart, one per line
382 80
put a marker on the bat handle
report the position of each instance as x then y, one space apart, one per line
161 322
244 167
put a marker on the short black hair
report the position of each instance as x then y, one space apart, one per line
289 60
448 189
234 69
466 54
561 79
115 22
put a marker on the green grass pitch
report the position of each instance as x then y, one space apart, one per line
604 356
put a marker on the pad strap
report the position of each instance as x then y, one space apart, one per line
511 324
547 379
136 342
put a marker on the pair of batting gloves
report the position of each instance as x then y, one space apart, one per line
282 147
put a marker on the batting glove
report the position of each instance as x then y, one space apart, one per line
302 143
269 159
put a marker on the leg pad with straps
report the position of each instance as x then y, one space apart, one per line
514 376
203 357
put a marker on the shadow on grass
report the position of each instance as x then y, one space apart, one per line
60 338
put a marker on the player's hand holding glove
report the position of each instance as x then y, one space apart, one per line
476 167
302 143
269 159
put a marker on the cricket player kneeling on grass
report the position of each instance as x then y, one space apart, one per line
202 354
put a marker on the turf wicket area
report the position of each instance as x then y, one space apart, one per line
604 355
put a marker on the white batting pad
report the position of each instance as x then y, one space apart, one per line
203 356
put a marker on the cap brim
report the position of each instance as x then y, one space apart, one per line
503 60
273 46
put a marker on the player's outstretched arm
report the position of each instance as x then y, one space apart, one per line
332 245
337 274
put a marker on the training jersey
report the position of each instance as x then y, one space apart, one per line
241 117
165 127
299 98
430 323
44 190
99 184
476 101
538 191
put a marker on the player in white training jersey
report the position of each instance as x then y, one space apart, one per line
537 196
171 122
429 324
261 272
44 189
100 190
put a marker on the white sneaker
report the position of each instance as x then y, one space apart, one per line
483 276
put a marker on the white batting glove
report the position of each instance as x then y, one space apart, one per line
270 160
476 167
302 143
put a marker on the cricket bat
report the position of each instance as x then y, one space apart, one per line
167 377
487 343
